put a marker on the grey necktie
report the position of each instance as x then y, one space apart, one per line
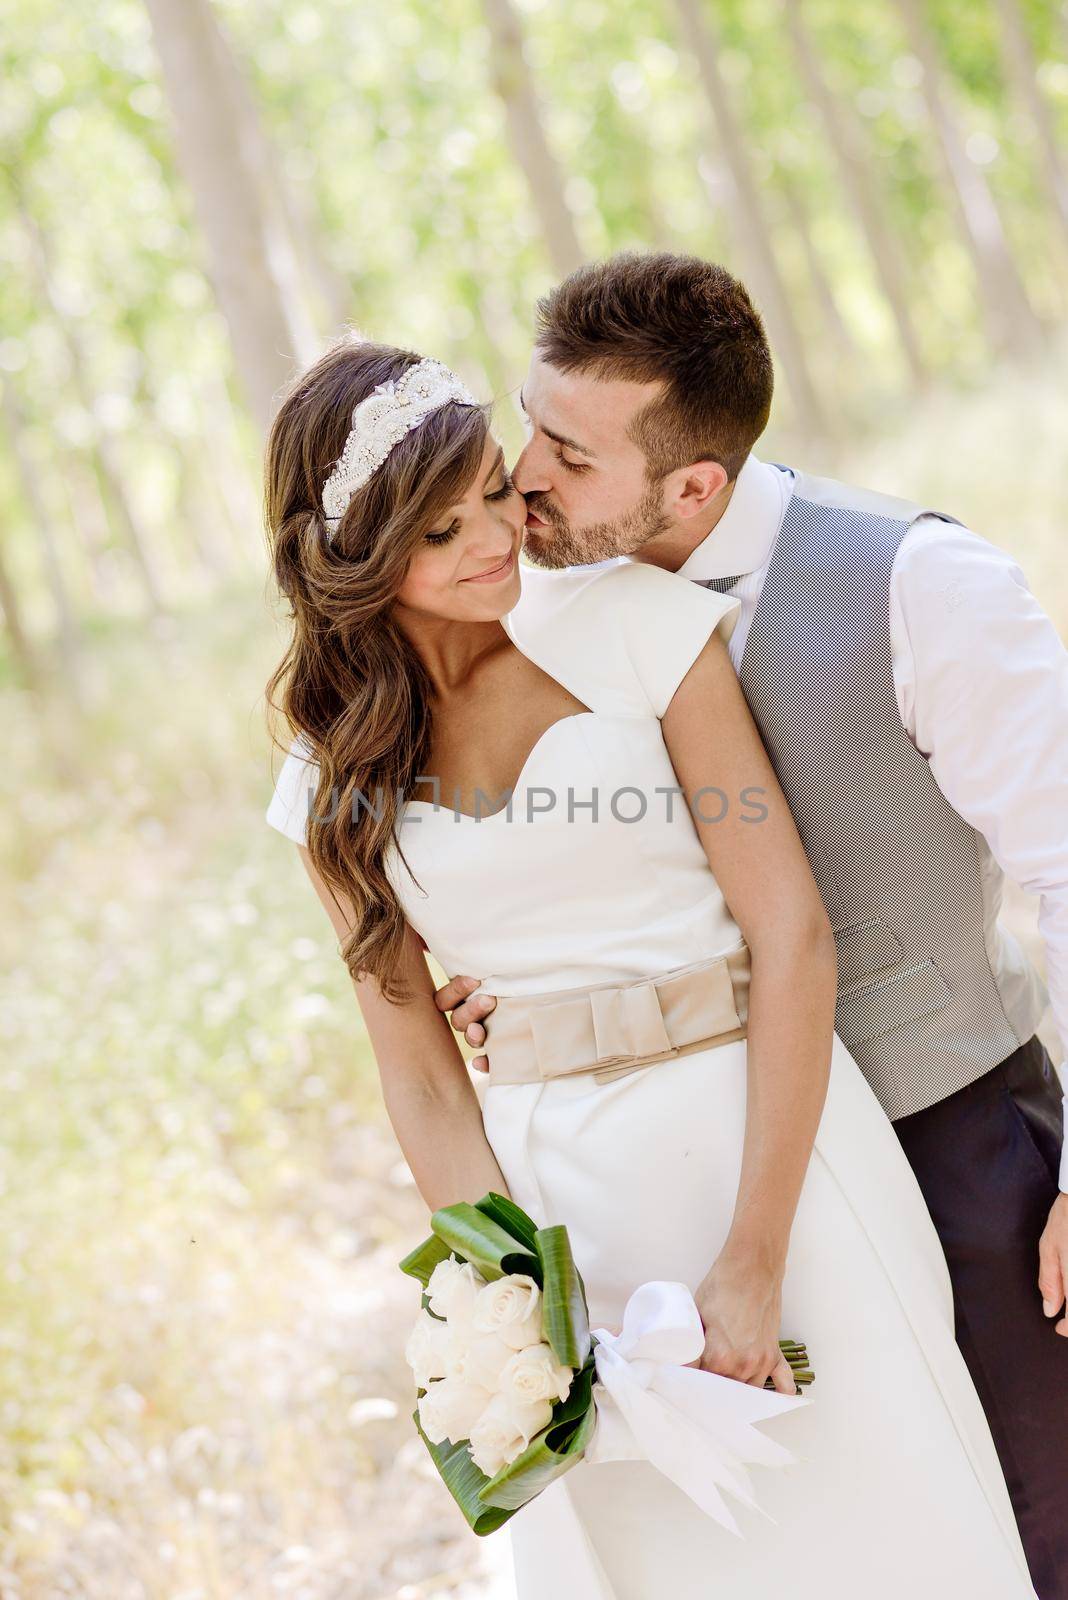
721 584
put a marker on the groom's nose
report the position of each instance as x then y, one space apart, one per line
527 475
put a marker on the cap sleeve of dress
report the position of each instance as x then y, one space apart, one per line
621 634
666 621
288 810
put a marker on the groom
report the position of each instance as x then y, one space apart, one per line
914 699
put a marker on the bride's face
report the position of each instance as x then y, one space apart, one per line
467 568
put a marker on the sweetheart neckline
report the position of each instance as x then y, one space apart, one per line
468 816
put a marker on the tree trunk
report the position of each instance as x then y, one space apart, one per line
638 175
251 260
747 216
801 222
494 330
1010 317
1022 71
89 518
229 470
655 226
203 516
845 140
326 283
104 454
67 635
11 611
119 509
292 224
526 134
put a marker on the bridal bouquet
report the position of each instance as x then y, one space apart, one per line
514 1388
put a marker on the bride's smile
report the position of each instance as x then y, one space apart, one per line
494 574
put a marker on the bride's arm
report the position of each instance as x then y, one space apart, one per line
766 880
428 1093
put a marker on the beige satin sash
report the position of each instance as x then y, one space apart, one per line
611 1029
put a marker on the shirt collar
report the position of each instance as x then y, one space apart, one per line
742 539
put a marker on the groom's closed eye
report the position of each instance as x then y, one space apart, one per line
561 442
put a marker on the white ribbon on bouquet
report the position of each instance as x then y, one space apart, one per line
695 1427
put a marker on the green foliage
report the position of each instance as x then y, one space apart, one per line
388 131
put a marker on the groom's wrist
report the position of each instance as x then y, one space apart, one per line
1062 1182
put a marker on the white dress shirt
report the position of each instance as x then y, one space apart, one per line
981 678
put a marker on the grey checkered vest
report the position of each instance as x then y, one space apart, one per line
931 992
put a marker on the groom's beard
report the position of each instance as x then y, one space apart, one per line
567 546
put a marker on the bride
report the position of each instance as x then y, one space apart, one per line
552 778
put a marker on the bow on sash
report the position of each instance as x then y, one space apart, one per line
618 1027
696 1427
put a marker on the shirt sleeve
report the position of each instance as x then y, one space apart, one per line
982 679
294 792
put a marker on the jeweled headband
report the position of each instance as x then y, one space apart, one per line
381 421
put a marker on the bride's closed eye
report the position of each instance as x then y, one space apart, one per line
443 538
506 488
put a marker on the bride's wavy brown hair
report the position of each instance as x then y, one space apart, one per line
349 680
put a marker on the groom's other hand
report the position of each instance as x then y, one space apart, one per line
465 1014
1053 1263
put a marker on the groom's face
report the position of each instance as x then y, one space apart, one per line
588 497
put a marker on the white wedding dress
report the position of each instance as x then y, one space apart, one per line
896 1492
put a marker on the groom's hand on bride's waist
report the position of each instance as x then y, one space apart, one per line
466 1013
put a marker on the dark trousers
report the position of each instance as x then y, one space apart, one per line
987 1160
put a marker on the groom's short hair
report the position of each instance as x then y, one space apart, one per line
677 319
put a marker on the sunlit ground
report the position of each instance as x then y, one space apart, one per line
201 1205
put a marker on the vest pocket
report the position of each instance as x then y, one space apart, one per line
864 949
879 1005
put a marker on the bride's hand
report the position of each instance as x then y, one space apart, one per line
741 1306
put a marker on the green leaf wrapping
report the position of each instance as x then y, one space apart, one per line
420 1262
565 1317
464 1482
512 1218
473 1236
550 1453
508 1218
488 1502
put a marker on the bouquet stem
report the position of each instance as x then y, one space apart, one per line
797 1355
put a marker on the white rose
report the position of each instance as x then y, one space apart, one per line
510 1306
427 1349
535 1374
476 1357
450 1409
504 1430
453 1286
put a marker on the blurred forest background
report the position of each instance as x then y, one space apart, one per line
202 1394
